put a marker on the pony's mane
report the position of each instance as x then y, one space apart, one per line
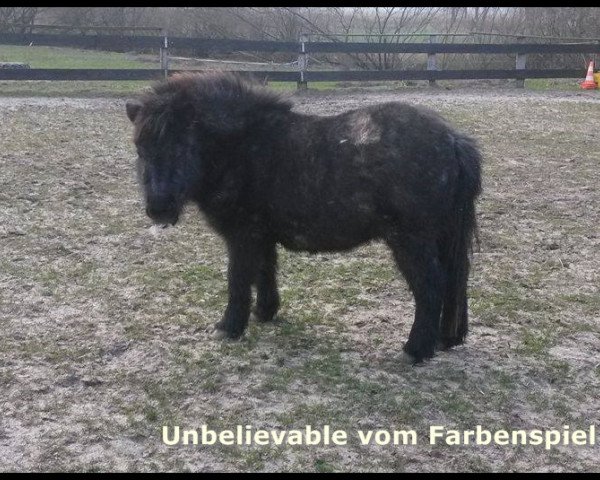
222 86
212 93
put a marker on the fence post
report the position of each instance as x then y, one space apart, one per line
164 54
431 60
520 64
302 62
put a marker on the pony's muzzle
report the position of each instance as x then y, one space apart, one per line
163 212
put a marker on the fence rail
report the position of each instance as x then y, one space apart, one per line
303 48
374 75
121 42
123 74
490 48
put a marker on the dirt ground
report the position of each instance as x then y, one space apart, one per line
105 327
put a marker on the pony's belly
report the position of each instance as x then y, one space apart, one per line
325 241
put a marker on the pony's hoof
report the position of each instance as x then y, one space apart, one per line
218 334
261 316
448 343
408 359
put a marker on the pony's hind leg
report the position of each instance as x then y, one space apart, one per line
267 296
418 260
455 321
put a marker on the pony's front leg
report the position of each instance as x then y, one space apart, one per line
241 272
267 296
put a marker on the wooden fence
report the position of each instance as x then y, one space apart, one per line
303 49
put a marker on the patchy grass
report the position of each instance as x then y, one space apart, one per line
106 328
121 88
74 88
541 84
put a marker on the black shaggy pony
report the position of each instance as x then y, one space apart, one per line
263 174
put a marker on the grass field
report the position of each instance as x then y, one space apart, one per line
59 57
62 57
106 327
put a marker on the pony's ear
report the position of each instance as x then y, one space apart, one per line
133 107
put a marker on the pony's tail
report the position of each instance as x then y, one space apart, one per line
459 241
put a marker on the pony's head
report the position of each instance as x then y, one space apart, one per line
183 126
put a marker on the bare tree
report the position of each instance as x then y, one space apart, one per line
73 17
17 19
374 25
122 16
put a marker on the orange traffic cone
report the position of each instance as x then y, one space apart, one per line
589 83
